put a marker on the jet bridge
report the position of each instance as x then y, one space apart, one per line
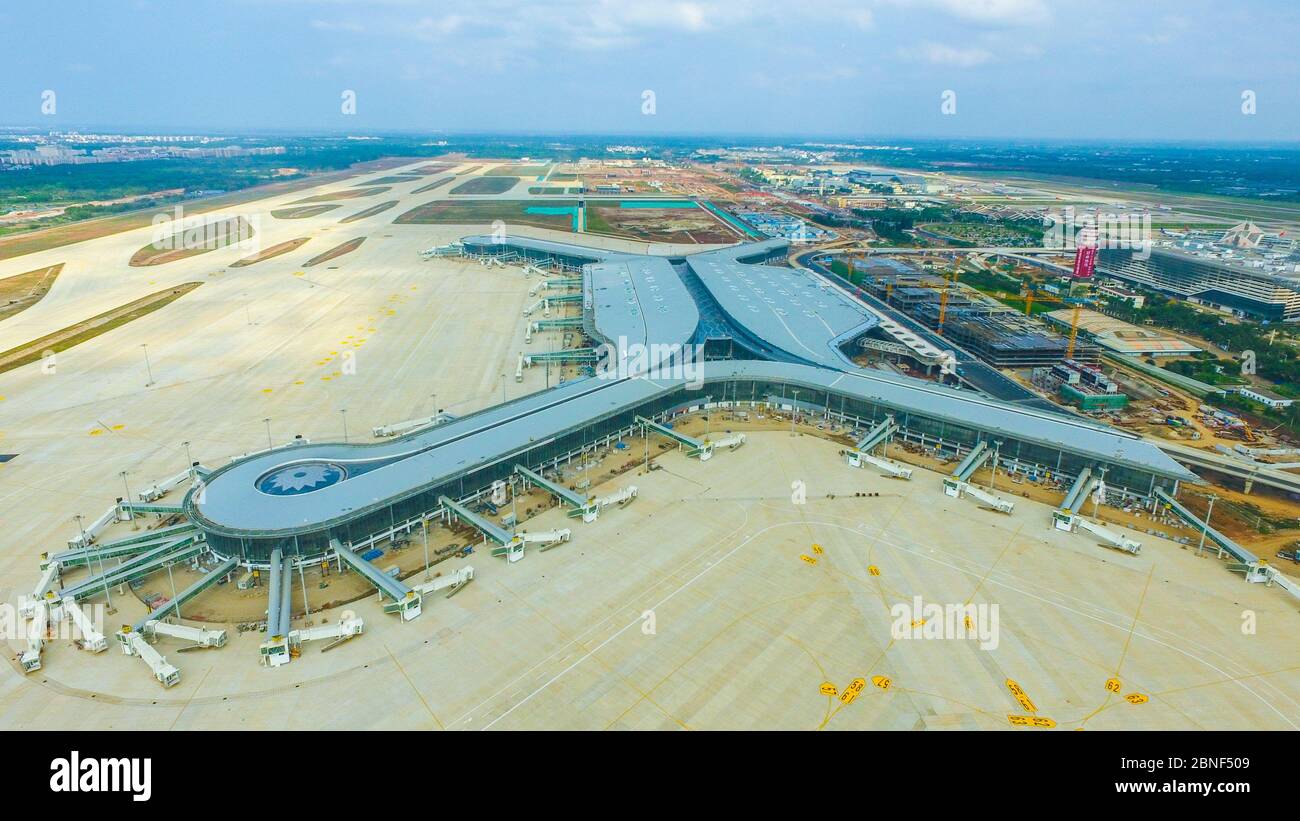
275 650
30 660
1110 538
127 546
94 640
453 582
514 551
177 550
199 637
162 487
131 546
173 607
1225 544
860 454
132 508
402 600
694 447
489 529
1248 564
568 355
887 428
574 500
87 536
958 484
555 283
49 577
1065 517
133 644
561 322
974 460
344 629
621 497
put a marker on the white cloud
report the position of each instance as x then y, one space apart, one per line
992 12
336 25
946 55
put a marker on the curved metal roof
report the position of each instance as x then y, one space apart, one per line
787 308
376 474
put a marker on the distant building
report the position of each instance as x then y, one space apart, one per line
1122 294
1119 336
1234 288
1265 397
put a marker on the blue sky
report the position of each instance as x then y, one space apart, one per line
1133 70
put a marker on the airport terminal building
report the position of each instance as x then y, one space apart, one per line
773 337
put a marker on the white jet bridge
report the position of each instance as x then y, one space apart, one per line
576 501
860 454
488 528
959 484
693 446
401 599
275 650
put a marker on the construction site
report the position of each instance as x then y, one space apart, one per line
540 478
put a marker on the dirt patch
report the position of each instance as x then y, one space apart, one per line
273 251
396 179
431 186
337 251
349 194
88 329
517 171
302 211
556 215
21 291
691 224
193 241
17 245
370 212
430 168
486 185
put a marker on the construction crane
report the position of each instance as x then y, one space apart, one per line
1030 295
1074 331
948 281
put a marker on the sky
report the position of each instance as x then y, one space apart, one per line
1142 70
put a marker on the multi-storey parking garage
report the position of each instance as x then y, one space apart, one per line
1253 293
792 328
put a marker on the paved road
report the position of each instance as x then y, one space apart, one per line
1221 463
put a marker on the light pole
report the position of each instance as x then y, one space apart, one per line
267 421
344 412
503 389
1096 499
424 531
1206 524
794 410
147 367
189 460
127 488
